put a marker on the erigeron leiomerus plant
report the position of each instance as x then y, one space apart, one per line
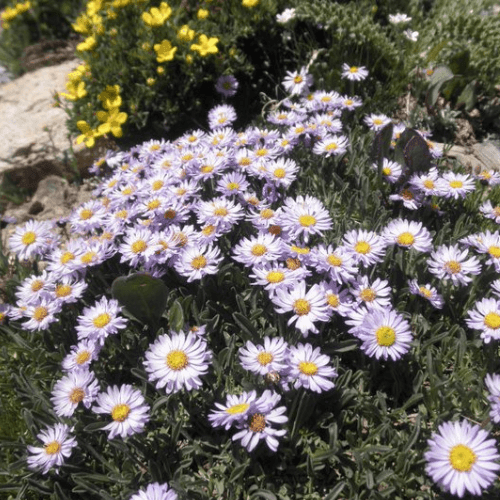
218 330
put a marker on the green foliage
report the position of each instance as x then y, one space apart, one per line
37 20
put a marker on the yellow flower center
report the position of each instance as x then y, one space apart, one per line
157 185
122 214
259 250
120 412
37 285
429 184
88 257
206 169
348 102
82 357
494 251
456 184
368 295
66 257
63 290
28 238
453 267
275 276
462 458
264 358
353 69
386 336
302 307
257 422
332 146
232 186
153 204
406 239
492 320
308 368
496 211
102 320
77 395
261 152
266 213
221 212
86 214
127 191
245 161
235 409
208 230
333 260
293 264
280 173
386 171
199 262
425 291
298 79
139 246
40 313
300 250
307 220
362 247
332 300
52 448
177 360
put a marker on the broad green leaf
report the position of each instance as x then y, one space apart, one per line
459 62
441 75
144 296
176 316
468 96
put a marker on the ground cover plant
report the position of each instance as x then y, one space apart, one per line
304 308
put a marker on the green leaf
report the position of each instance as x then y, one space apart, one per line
459 62
176 316
246 326
441 75
434 52
263 494
412 152
142 295
381 146
414 436
468 96
335 492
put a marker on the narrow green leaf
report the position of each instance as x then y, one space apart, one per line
176 316
413 436
246 326
434 52
336 491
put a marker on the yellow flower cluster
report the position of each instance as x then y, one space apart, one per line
206 45
111 119
90 43
249 4
157 16
165 51
10 13
75 85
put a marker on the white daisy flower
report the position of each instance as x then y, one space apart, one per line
354 73
262 359
408 234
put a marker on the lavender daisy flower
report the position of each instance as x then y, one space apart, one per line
155 491
81 356
492 382
127 408
485 317
74 388
367 247
305 216
296 83
337 300
408 234
260 249
262 359
34 288
451 263
41 314
31 239
57 447
310 369
273 277
372 294
428 292
384 334
411 198
354 73
197 261
490 211
308 307
221 116
331 145
455 185
376 122
264 414
236 409
177 361
462 458
391 170
227 85
100 320
338 264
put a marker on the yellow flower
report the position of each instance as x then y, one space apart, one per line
146 46
111 122
185 34
151 81
202 14
189 59
249 3
88 44
112 14
164 51
206 45
76 89
88 134
110 97
157 16
160 70
9 14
